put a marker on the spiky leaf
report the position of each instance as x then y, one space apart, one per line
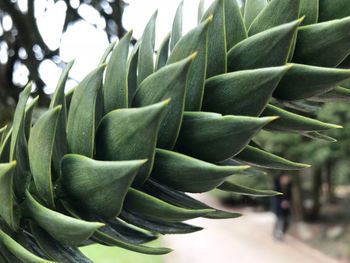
130 134
188 174
99 187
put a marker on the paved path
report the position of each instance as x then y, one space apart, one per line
242 240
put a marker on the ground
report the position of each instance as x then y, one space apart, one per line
244 240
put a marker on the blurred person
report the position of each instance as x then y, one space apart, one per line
281 205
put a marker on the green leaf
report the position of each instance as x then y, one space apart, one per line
243 190
20 252
318 136
245 92
200 11
292 122
145 65
56 250
18 120
154 208
168 82
18 145
40 148
68 97
303 81
132 71
309 9
260 158
276 13
127 232
338 94
333 9
114 241
5 147
3 132
213 137
216 54
98 186
7 198
81 119
176 31
65 229
266 49
118 139
193 41
28 116
115 89
324 44
158 226
61 145
187 174
105 55
178 198
163 53
252 9
234 25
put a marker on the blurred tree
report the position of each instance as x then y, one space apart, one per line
22 44
326 158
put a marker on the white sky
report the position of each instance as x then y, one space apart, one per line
86 43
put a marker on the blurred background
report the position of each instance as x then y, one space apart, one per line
38 37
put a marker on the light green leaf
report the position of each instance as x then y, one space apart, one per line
257 157
115 89
176 31
252 8
200 11
28 116
54 249
303 81
61 145
292 122
65 229
266 49
163 53
324 44
132 71
193 41
168 82
18 120
105 55
40 148
20 252
276 13
18 144
234 25
118 139
114 241
309 9
245 92
333 9
338 94
158 226
178 198
145 65
81 118
187 174
213 137
243 190
154 208
7 198
5 147
318 136
3 132
99 187
216 54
